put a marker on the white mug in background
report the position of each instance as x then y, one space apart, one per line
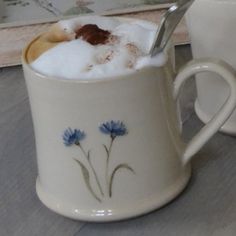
111 148
211 25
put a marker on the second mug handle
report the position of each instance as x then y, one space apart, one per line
228 74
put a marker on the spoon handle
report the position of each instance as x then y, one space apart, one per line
168 24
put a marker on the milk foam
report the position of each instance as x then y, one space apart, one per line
78 59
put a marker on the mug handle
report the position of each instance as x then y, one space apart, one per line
228 74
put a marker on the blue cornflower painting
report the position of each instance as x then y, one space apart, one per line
71 137
75 137
113 128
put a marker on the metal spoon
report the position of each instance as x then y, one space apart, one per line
168 24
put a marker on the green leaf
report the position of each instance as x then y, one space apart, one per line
120 166
86 176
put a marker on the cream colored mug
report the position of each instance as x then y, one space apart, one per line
111 149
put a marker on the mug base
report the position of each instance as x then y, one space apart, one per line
227 128
137 209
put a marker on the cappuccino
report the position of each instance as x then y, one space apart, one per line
94 47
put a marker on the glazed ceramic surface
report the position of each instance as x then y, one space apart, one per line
211 24
111 149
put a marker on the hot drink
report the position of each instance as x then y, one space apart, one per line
93 47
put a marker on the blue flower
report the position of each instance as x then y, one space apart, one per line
113 128
71 137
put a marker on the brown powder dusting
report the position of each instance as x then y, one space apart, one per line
93 34
105 57
133 49
88 68
113 39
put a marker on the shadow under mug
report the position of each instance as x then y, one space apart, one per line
111 149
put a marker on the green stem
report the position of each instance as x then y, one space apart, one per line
93 170
120 166
108 151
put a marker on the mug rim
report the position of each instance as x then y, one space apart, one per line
99 79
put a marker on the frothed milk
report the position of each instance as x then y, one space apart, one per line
94 47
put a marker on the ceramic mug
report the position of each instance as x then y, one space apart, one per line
111 149
212 35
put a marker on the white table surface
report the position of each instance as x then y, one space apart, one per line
207 207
